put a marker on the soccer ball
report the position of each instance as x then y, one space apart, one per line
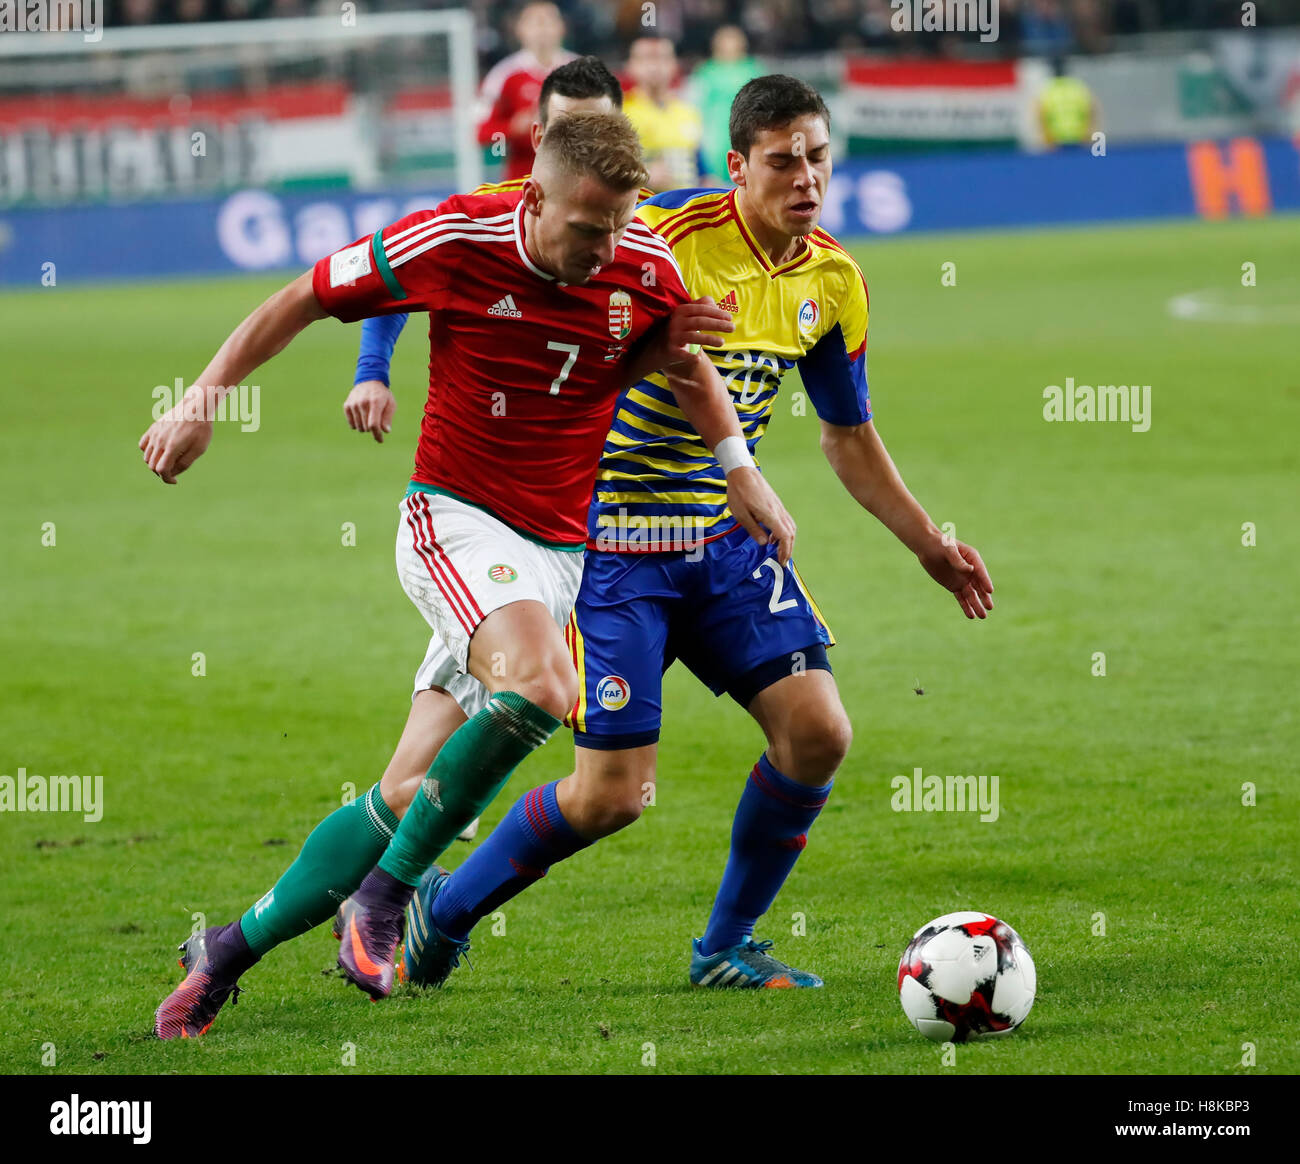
966 976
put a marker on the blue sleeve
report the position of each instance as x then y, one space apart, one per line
378 338
676 199
836 380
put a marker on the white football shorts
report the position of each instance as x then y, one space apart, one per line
458 564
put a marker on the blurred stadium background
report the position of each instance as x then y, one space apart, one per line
195 136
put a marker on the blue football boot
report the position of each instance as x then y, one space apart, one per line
748 966
428 956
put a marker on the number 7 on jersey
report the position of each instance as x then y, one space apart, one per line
572 349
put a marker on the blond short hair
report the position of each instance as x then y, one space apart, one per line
603 145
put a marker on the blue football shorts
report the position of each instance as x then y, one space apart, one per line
737 618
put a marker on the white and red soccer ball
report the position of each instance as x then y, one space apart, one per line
966 976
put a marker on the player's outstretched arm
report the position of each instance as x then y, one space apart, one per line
179 437
864 466
706 404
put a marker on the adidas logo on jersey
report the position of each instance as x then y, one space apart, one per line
728 303
506 308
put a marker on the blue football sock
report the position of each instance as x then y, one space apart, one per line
767 836
531 838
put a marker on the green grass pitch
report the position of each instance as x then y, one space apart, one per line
1121 796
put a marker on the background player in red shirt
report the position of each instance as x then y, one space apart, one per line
547 301
509 94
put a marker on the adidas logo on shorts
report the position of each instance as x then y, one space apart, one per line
506 307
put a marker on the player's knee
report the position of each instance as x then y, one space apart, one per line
599 804
548 682
553 689
399 786
819 742
606 813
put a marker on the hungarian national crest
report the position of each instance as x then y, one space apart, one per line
620 314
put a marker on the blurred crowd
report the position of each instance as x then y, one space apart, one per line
606 27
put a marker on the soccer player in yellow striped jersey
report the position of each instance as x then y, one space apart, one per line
657 486
669 576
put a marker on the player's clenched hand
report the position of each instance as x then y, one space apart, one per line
177 438
959 568
696 324
369 408
754 504
702 322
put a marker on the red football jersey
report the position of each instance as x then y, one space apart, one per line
524 371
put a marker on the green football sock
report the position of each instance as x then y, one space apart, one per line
469 771
334 860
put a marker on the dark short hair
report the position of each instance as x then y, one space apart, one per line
580 79
769 103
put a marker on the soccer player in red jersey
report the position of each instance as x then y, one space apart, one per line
545 302
584 84
510 92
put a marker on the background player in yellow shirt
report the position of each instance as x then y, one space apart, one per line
1067 110
670 130
669 575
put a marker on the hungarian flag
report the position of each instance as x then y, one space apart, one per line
916 105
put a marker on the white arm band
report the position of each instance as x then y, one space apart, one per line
732 453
